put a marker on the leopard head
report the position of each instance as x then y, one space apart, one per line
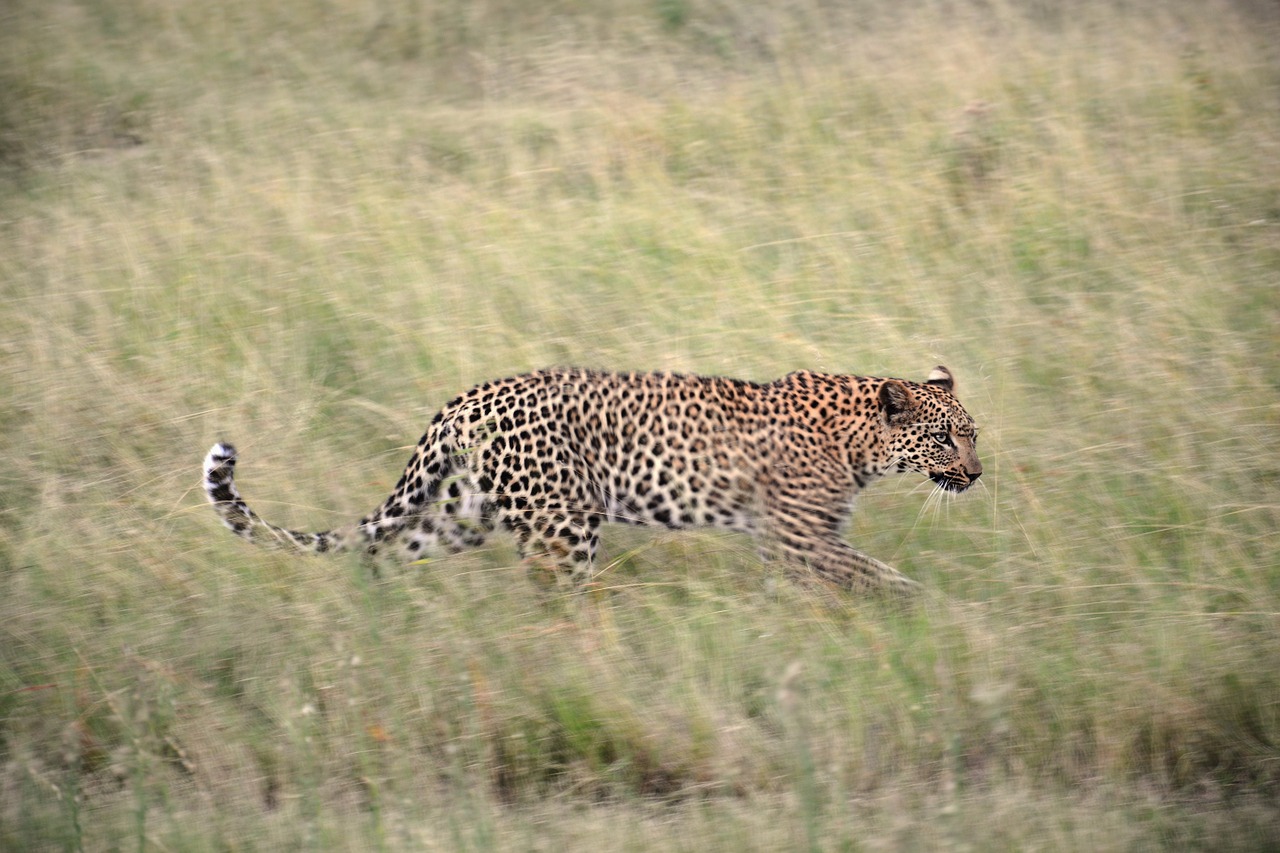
929 431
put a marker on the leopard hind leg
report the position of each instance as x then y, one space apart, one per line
418 514
556 537
459 518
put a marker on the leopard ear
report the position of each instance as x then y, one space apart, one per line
895 399
942 377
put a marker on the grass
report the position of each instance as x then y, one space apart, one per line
304 226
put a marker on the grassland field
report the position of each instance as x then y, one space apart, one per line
305 225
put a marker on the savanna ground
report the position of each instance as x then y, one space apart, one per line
305 225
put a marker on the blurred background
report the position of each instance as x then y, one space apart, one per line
305 225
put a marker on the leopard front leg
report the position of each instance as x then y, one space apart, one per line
801 527
842 564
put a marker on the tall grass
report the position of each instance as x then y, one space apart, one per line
304 226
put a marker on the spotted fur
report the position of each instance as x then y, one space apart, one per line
552 455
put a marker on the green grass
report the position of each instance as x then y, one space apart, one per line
304 226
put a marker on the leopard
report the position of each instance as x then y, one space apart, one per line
552 455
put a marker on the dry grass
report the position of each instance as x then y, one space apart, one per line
304 226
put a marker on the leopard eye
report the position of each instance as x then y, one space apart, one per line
943 438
